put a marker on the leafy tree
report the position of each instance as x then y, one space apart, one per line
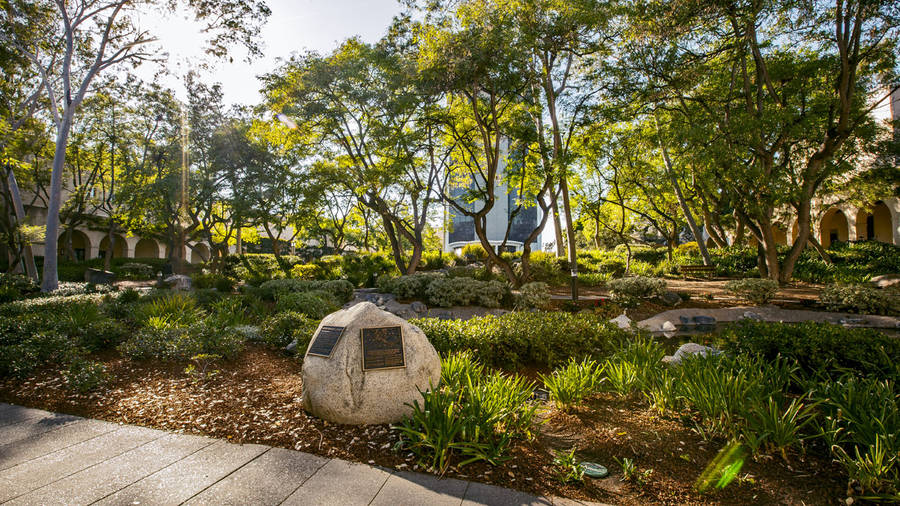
84 39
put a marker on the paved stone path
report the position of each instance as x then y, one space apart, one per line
50 458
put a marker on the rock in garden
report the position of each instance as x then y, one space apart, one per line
668 326
670 298
179 282
704 320
689 349
886 280
750 315
99 277
418 307
340 389
622 321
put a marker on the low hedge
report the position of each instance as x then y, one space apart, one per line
524 338
818 348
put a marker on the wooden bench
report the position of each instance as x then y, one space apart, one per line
701 271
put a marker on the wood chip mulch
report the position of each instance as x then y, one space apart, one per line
257 399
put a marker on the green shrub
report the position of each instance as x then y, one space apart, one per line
458 368
413 286
534 295
516 339
755 290
545 266
446 292
205 280
306 271
178 307
271 290
362 269
570 385
281 329
136 270
182 343
228 312
315 304
84 375
476 422
434 260
31 340
820 349
861 298
474 252
629 290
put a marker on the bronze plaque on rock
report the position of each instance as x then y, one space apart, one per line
382 348
324 342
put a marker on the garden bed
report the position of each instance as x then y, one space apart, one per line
256 399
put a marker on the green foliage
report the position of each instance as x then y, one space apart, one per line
182 342
633 475
435 260
136 270
413 286
474 420
341 290
861 298
534 295
755 290
568 469
820 349
570 385
362 269
629 290
84 375
446 292
202 367
315 304
474 252
177 307
206 280
281 329
524 338
305 271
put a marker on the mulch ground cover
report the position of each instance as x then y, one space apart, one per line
256 399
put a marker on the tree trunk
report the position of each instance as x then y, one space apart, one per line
570 237
27 253
51 238
557 224
688 215
111 238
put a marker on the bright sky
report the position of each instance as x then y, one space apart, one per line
294 26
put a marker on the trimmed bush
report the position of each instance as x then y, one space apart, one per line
446 292
629 290
516 339
534 295
757 291
281 329
315 304
182 343
305 271
861 298
818 348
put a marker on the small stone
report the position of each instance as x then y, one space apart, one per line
622 321
670 299
418 307
668 326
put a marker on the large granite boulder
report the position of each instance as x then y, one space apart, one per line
337 389
178 282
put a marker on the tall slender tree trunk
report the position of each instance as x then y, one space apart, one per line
111 238
19 209
51 238
688 215
557 225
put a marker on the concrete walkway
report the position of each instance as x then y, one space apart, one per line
49 458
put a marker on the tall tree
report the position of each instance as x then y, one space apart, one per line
86 38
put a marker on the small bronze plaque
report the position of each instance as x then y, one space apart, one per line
382 348
325 341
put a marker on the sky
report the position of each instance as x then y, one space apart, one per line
294 26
